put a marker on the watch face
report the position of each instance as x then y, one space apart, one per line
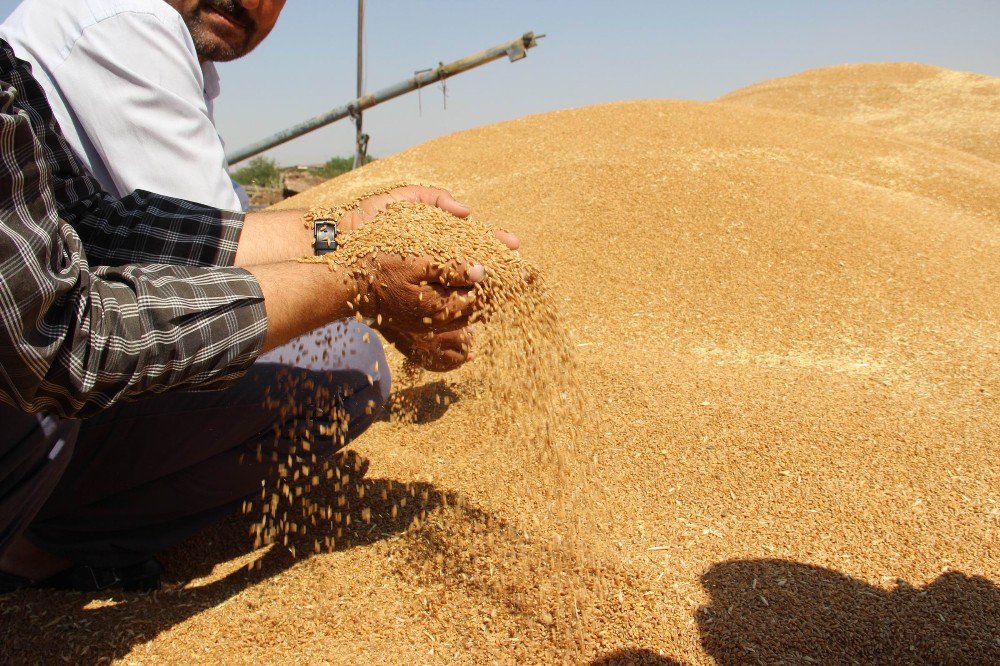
325 234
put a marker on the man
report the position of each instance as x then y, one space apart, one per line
133 84
106 301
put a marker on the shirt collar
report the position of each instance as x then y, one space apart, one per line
211 76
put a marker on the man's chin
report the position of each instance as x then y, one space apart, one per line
211 47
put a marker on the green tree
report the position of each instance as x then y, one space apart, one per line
262 171
336 166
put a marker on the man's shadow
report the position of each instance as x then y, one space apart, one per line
776 611
38 626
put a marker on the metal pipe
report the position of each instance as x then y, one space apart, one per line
361 43
515 49
359 147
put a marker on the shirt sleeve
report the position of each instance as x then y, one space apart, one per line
140 228
134 89
75 339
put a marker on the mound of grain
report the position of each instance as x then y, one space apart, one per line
789 331
956 109
790 328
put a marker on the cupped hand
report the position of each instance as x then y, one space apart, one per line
417 294
437 352
369 207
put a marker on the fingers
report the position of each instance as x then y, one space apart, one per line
371 206
447 351
443 200
441 352
456 273
419 295
434 197
508 239
454 308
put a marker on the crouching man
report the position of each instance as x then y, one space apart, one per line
116 318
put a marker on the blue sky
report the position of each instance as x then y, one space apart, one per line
594 52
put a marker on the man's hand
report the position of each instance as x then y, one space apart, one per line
415 294
270 237
437 352
407 297
421 307
371 206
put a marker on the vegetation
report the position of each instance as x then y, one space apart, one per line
264 171
261 171
336 166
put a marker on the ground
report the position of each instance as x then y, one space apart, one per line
787 333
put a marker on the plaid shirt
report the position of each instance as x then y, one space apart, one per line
101 299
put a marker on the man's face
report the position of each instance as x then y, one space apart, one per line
224 30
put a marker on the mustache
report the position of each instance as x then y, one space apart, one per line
236 10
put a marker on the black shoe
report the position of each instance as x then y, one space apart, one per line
141 577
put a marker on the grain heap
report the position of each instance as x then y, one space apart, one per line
956 109
787 327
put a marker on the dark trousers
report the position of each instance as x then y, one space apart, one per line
142 476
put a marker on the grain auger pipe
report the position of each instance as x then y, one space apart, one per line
515 49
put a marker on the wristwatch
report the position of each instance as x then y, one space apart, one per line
325 236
